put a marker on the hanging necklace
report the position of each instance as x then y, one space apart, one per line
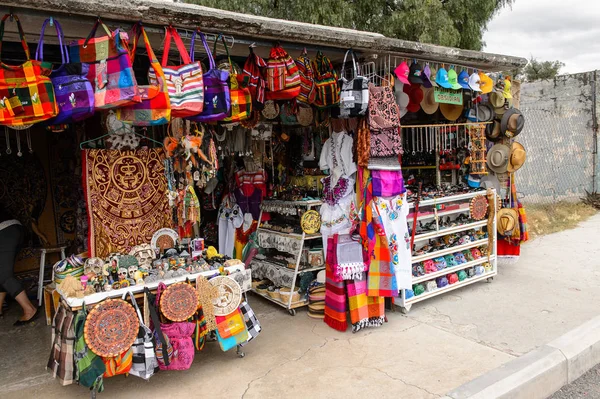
8 150
19 153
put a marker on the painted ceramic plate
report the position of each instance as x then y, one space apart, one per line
179 302
111 327
479 207
310 222
229 295
164 239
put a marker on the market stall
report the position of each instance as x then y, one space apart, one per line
322 177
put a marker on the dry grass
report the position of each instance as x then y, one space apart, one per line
551 218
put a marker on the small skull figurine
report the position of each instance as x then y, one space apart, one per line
132 270
145 254
122 273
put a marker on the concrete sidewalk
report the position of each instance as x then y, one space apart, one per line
440 345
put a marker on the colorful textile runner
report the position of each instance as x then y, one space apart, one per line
126 198
335 295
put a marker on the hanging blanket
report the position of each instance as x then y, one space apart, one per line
126 197
335 294
381 278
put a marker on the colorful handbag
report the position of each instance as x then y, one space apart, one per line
354 95
155 106
144 358
241 99
217 100
74 93
117 365
283 78
184 82
230 325
253 74
110 68
26 92
308 90
383 110
326 82
164 350
231 342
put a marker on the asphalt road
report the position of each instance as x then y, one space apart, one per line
587 386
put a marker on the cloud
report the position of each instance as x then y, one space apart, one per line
548 30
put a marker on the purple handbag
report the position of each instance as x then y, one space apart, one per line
73 91
217 100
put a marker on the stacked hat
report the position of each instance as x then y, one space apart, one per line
316 299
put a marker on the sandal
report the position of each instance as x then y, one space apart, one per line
31 319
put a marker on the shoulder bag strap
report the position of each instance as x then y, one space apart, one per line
39 51
159 333
135 305
93 32
172 33
211 59
21 34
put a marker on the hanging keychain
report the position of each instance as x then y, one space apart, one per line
19 153
8 150
28 135
412 134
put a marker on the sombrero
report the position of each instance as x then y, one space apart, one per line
517 157
428 103
451 111
497 158
111 327
508 220
179 302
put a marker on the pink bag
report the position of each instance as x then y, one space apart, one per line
387 183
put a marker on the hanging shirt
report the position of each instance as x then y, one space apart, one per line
230 218
336 155
393 211
248 181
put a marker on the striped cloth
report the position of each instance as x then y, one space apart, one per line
326 81
358 303
335 294
381 279
61 354
89 367
308 90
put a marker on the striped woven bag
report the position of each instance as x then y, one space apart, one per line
155 108
184 82
308 91
282 75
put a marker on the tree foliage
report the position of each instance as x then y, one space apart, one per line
454 23
541 70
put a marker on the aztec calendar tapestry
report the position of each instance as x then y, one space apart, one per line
126 198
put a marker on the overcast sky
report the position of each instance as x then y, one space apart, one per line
549 30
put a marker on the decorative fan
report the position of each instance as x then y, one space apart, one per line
111 327
310 222
478 207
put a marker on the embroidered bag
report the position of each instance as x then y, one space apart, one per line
26 92
308 90
217 100
283 78
110 69
383 110
254 75
252 324
184 82
354 96
144 358
241 100
180 337
326 82
155 107
74 93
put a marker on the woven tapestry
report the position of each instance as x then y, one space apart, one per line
126 195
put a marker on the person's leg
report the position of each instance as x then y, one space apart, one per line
10 241
2 299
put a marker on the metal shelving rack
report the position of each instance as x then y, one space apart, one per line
292 306
404 303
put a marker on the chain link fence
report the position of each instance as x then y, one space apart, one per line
559 139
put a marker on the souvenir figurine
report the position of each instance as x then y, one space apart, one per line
145 255
132 270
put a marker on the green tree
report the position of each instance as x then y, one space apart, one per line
541 70
455 23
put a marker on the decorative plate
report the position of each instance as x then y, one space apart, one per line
229 295
271 109
305 115
208 293
478 207
111 327
179 302
164 239
310 222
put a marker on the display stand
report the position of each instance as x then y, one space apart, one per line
461 199
290 305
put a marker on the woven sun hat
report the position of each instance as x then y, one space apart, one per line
508 220
517 157
111 327
229 295
496 99
304 115
512 123
497 158
271 110
179 302
321 277
451 111
428 105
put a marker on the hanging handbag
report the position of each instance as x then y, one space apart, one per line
60 362
308 91
217 100
254 75
26 91
287 114
283 78
241 99
184 82
73 91
144 358
231 324
164 350
252 324
89 367
354 95
326 82
117 365
233 341
180 337
155 107
110 67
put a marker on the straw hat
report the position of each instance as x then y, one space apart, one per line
497 158
512 122
496 99
517 157
428 104
508 221
451 111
